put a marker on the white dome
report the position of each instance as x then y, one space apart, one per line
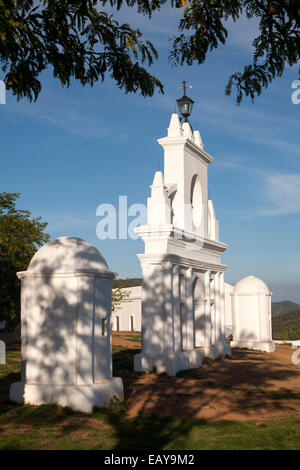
251 285
65 254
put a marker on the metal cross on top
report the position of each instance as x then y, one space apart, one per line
184 87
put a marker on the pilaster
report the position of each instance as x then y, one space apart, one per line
189 310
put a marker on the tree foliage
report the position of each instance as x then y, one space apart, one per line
129 282
119 294
20 237
286 326
79 40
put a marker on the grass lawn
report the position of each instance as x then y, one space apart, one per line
53 427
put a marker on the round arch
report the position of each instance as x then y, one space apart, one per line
196 201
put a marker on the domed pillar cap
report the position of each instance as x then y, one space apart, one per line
251 285
67 256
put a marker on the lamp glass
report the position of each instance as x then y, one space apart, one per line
185 105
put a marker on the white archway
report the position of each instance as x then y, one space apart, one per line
196 201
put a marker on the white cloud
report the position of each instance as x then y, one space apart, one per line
279 192
283 193
70 115
249 125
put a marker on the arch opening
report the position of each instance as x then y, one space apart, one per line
196 201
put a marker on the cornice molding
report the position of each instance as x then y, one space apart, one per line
66 274
182 261
167 232
189 144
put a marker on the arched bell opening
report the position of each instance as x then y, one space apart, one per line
196 200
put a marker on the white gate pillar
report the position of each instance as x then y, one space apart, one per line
218 310
225 346
213 309
222 300
190 336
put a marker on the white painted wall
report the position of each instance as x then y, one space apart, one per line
133 307
179 250
228 308
130 310
65 328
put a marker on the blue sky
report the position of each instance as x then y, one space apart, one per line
78 147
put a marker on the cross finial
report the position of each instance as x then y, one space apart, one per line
184 87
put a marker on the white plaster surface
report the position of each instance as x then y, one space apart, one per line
78 397
132 306
65 326
128 316
183 292
65 254
251 285
252 320
228 308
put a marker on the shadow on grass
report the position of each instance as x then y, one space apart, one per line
145 432
123 367
111 425
50 426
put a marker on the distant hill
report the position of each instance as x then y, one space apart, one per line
286 325
285 306
133 282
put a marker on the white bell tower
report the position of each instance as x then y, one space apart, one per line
183 300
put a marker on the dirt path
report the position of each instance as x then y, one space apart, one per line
250 385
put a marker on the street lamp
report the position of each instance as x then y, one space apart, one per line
185 104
